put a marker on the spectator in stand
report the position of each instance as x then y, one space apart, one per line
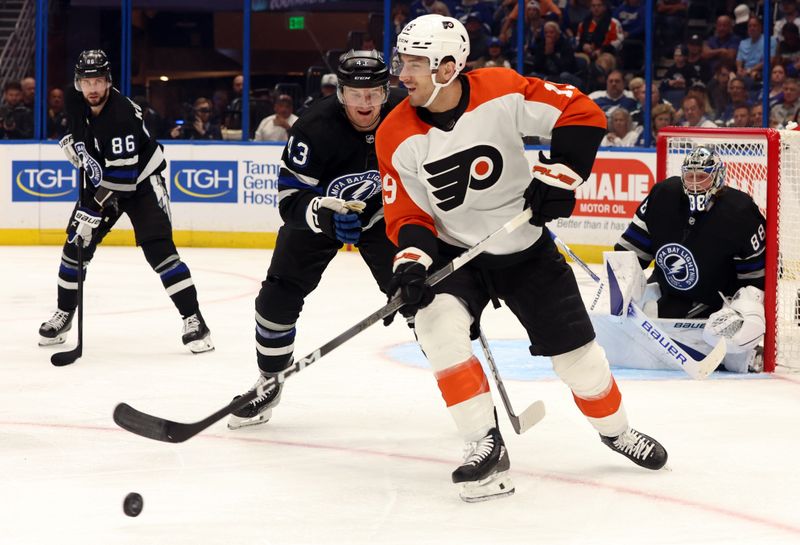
741 14
599 70
663 115
723 45
424 7
401 14
199 126
439 7
16 121
718 87
680 76
503 11
478 38
599 32
573 13
28 91
275 128
234 118
777 77
554 58
694 59
56 117
670 22
786 110
635 84
494 57
534 24
327 87
484 10
700 92
756 113
219 101
737 90
631 16
741 116
615 95
693 113
790 15
750 56
788 50
621 132
637 116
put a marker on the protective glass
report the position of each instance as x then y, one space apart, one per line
410 66
363 98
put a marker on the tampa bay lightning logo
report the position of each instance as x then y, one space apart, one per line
93 170
678 265
356 187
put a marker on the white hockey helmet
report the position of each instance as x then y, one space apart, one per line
702 175
436 38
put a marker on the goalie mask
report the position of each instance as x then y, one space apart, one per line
92 63
702 176
363 79
436 38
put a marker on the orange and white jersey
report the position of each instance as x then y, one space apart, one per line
466 182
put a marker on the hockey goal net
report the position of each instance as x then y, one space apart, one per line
766 164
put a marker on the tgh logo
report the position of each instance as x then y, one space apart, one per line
204 181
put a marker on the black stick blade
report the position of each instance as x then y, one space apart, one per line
60 359
142 424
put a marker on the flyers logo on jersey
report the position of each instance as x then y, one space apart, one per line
476 168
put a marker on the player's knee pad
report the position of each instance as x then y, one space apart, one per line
585 370
442 329
160 254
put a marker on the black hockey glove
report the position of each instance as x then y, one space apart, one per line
335 218
551 193
410 273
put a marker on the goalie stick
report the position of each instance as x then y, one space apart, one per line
161 429
697 368
530 416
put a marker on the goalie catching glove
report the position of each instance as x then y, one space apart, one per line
337 218
740 320
551 193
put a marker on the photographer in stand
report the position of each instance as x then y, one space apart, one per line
16 121
197 125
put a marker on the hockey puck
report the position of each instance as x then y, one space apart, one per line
133 504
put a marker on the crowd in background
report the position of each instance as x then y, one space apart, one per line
701 78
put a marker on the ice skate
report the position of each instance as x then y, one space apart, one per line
196 335
639 448
484 473
258 411
54 330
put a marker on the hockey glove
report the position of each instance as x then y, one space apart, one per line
335 218
410 273
68 147
82 226
551 193
740 320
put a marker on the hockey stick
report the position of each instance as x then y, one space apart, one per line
530 416
697 367
60 359
162 429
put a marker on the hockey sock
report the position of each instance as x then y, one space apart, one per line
585 370
274 344
68 276
175 275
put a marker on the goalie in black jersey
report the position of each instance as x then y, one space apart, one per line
330 195
708 244
121 166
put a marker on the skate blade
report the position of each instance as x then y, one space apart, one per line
201 345
236 422
50 341
496 486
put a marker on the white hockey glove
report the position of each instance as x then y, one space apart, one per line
68 147
740 321
83 224
336 218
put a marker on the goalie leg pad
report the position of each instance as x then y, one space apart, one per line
442 329
587 373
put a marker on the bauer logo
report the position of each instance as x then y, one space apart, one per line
48 181
204 181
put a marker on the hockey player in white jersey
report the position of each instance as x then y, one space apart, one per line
707 241
453 171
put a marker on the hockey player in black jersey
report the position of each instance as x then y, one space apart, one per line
707 240
121 166
330 195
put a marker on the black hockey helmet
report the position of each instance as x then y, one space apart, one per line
92 63
362 69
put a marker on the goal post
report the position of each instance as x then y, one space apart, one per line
765 163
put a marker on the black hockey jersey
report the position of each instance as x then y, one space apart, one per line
698 255
326 156
121 153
